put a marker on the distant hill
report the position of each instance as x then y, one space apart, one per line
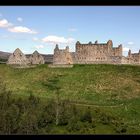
4 56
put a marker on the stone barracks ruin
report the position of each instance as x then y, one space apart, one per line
90 53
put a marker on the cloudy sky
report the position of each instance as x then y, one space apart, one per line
41 27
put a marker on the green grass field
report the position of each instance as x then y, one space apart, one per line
113 89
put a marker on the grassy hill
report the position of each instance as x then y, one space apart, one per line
113 90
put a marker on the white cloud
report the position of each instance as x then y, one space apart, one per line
39 46
4 23
57 39
72 30
70 40
21 29
35 39
130 43
19 19
125 49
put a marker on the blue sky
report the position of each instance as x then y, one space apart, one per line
39 28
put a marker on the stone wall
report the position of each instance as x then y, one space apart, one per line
90 53
133 58
117 51
36 58
97 53
17 58
62 56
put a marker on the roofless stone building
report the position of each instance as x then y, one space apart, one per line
62 56
89 53
94 53
17 58
36 58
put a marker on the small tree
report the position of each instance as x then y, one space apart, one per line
52 85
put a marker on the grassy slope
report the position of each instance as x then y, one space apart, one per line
114 89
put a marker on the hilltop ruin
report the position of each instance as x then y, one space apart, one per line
18 58
95 53
90 53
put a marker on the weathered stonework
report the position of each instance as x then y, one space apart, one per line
17 58
62 56
132 58
36 58
97 53
91 53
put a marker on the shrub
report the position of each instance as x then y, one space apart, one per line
74 125
86 117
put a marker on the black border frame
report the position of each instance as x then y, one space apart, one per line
71 3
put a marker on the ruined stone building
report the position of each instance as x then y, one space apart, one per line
132 58
97 53
36 58
90 53
17 58
62 56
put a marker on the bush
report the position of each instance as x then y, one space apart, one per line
121 129
87 117
74 125
65 112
